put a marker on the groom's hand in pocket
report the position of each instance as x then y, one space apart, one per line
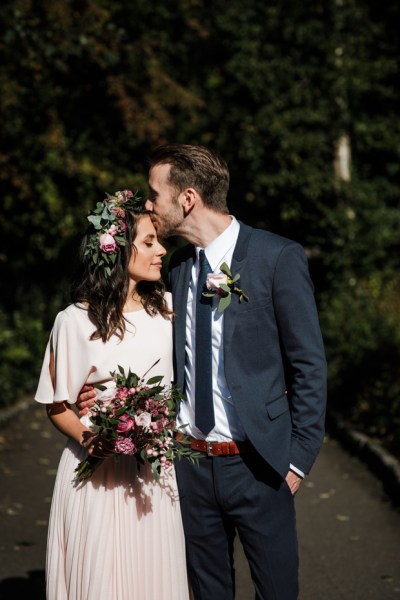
85 399
294 481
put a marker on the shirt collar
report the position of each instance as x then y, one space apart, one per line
217 250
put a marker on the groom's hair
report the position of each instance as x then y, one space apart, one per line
196 167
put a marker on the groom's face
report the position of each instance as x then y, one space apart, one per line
163 202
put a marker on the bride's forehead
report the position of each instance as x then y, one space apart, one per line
145 226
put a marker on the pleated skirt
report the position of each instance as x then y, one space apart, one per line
117 536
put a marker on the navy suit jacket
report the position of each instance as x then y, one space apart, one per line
274 357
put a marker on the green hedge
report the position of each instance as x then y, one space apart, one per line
361 326
22 344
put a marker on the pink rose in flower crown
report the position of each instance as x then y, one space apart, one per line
118 212
107 243
113 230
143 420
120 197
215 280
125 425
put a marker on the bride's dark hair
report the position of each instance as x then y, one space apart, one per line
105 295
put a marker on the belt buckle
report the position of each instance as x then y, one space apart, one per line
209 449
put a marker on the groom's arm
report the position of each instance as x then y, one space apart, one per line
85 399
302 345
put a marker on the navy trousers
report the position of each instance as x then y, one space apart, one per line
222 495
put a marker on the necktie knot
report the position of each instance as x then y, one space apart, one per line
204 265
203 259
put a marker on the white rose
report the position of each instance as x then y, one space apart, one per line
214 280
105 397
143 420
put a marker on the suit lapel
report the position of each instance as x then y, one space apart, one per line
239 261
180 295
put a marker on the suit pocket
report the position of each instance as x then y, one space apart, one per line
278 407
260 303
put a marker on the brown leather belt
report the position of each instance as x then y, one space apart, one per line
216 448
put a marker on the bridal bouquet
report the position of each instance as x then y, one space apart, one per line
138 417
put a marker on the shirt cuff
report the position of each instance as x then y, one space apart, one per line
297 471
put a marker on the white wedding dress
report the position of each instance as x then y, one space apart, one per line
117 536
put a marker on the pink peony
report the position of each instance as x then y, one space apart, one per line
124 446
107 243
214 281
126 423
143 420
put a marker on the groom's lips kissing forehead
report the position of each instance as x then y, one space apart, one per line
153 219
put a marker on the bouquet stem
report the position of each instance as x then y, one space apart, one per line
87 467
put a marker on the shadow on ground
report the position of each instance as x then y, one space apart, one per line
32 587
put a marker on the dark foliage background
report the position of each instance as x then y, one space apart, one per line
302 99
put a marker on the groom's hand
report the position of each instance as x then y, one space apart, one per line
85 399
294 481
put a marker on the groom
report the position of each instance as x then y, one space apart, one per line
254 376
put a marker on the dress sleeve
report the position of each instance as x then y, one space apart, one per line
71 370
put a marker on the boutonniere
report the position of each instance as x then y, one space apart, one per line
224 285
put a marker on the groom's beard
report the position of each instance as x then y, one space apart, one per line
168 224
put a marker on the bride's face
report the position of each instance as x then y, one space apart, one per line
147 253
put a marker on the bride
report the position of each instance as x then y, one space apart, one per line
117 535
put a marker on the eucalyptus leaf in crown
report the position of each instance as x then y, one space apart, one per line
108 220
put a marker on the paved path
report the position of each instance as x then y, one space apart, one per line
349 534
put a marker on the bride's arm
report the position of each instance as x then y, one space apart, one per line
67 421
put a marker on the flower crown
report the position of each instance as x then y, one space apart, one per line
108 221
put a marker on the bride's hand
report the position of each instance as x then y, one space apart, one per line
96 444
